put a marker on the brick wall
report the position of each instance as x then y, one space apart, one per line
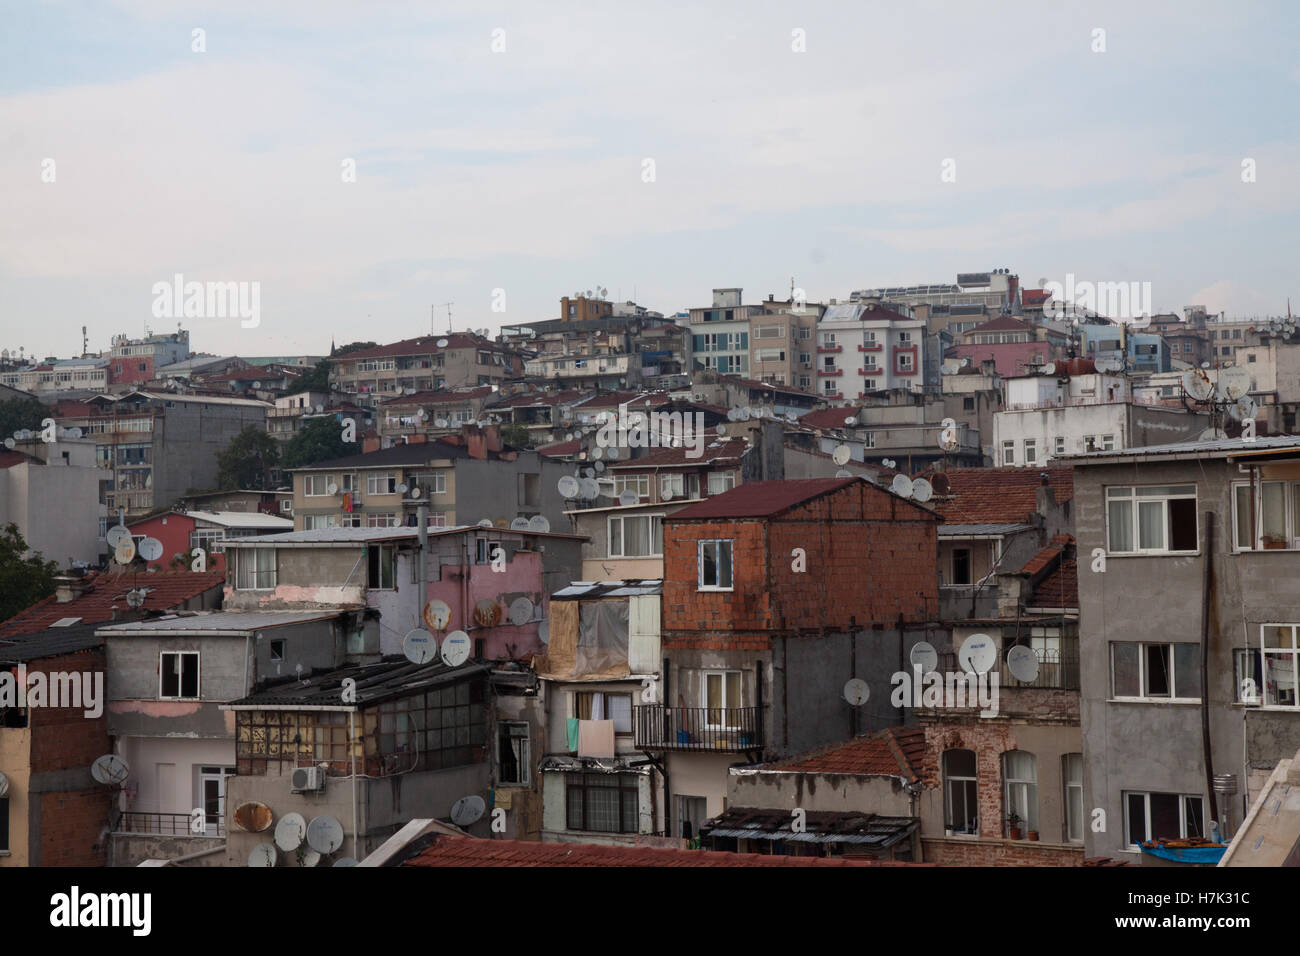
72 828
64 738
953 851
870 557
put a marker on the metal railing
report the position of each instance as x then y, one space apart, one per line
165 824
1057 669
660 727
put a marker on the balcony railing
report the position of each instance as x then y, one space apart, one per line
1058 668
166 824
830 371
830 348
698 728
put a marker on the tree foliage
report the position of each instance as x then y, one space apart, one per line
24 579
317 380
19 413
517 435
319 440
354 347
248 461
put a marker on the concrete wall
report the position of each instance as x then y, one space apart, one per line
56 507
131 849
165 771
817 792
561 706
700 775
555 815
187 439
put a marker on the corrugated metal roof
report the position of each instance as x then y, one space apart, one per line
1196 449
599 589
51 643
241 519
750 823
392 677
963 530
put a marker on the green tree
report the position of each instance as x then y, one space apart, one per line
248 461
517 435
317 380
354 347
19 413
24 579
319 440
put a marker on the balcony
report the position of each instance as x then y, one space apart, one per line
828 372
872 370
830 348
869 348
168 824
698 728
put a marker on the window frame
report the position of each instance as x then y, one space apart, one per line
1144 695
1135 500
1265 652
970 800
731 567
243 555
651 536
728 677
507 730
180 678
1183 799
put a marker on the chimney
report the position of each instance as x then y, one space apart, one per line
1045 498
475 441
68 588
492 436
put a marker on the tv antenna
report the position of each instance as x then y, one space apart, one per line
447 306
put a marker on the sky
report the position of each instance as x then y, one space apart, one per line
508 154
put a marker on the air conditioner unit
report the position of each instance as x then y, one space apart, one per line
308 780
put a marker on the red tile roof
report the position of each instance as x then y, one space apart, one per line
167 590
564 449
824 418
1060 588
423 345
10 458
447 850
440 397
1000 495
761 499
1047 557
894 752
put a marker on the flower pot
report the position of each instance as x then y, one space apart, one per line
1033 835
1013 833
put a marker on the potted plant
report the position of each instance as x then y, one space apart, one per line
1033 836
1013 825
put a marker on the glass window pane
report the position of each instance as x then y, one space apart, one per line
1165 820
724 564
1156 660
1120 525
733 691
1279 679
1187 671
1241 495
1182 524
1273 513
959 763
1137 818
1193 816
1151 525
1278 635
1124 659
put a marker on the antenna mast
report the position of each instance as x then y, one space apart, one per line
448 306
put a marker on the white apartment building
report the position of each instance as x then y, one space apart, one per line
1076 410
720 333
863 347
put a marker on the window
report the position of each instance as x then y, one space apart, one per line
679 486
1008 453
381 567
904 338
722 698
720 481
1151 815
1107 442
384 520
1151 520
602 802
1276 512
1248 674
178 675
598 705
315 486
277 651
1031 451
715 565
384 483
805 358
1072 777
1279 649
312 522
286 506
1155 671
1020 774
905 362
512 754
640 484
960 795
968 403
431 483
960 566
636 536
1059 448
255 569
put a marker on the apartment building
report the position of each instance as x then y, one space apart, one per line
720 333
765 618
425 363
433 413
1076 409
1015 346
865 347
783 343
67 375
132 361
51 491
1188 636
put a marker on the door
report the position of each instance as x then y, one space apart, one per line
212 798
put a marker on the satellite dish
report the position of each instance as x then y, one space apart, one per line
544 632
109 769
539 524
519 524
262 855
324 835
924 656
568 486
629 498
468 810
455 649
117 534
441 343
257 385
589 489
401 488
310 858
843 473
521 611
419 646
437 614
290 832
901 486
345 861
151 549
415 491
856 692
978 653
332 488
441 423
1197 384
135 597
485 523
597 452
124 553
841 455
1243 408
599 467
1234 383
851 420
610 453
1023 664
9 443
922 490
253 817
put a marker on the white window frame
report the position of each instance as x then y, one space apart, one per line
948 803
1114 493
1267 691
311 482
699 562
728 677
385 479
652 519
726 481
1008 452
1031 451
1021 792
258 574
1290 514
638 483
180 682
1060 445
1069 786
1143 695
1146 812
525 760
